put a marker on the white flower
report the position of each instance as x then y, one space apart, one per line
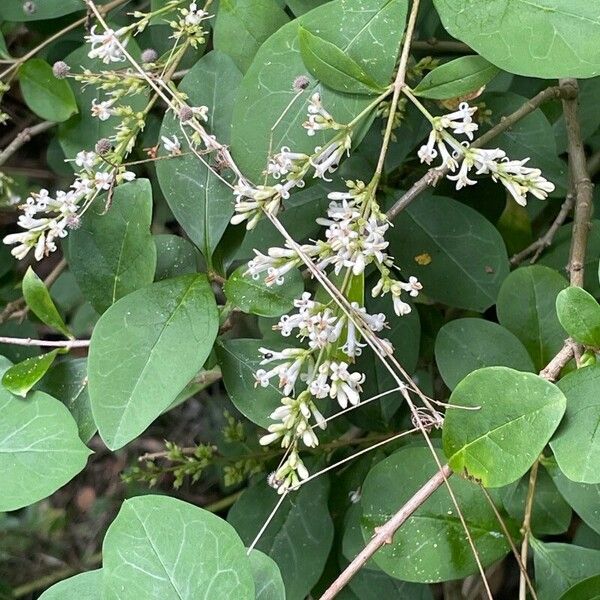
102 110
172 146
194 15
345 386
85 160
326 160
105 46
103 180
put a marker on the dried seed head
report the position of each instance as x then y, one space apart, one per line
300 83
103 146
185 114
29 7
60 69
73 221
149 55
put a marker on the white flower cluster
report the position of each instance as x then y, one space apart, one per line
252 201
189 25
354 239
517 178
324 330
47 218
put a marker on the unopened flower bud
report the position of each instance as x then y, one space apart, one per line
149 55
103 146
60 69
300 83
185 114
73 222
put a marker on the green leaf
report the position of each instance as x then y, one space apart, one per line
583 498
135 365
268 584
560 566
41 304
113 254
557 256
67 381
40 449
512 417
255 297
456 253
547 38
333 67
13 10
579 314
174 256
576 445
20 378
242 26
299 7
550 515
200 201
85 586
465 345
370 36
526 306
48 97
239 360
456 78
161 548
431 545
588 589
303 515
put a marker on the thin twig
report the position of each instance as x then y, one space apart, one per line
23 137
385 533
434 175
545 241
49 343
526 527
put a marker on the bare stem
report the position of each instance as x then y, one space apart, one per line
48 343
526 528
23 137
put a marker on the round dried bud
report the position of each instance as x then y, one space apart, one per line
73 221
185 114
103 146
29 7
149 55
60 69
300 83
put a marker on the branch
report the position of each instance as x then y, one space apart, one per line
385 533
545 241
434 175
582 186
49 343
23 137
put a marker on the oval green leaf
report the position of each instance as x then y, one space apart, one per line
370 36
161 548
511 418
465 257
576 444
465 345
579 314
174 256
456 78
201 202
588 589
431 545
135 365
48 97
268 584
526 306
40 449
546 38
113 253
